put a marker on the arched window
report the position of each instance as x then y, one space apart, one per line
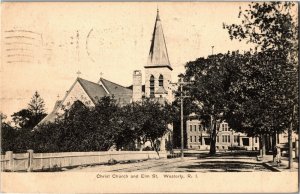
161 81
151 86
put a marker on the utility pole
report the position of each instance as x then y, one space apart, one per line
212 50
290 140
181 84
181 120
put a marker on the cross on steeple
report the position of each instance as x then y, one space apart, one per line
78 73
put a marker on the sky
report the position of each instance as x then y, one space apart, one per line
44 45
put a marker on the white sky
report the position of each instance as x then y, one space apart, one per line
118 43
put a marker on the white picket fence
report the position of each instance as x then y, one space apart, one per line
48 161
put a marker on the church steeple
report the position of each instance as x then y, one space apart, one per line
158 54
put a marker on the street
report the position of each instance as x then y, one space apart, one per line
225 162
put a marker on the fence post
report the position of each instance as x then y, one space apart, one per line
10 158
30 160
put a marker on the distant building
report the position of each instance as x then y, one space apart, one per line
198 137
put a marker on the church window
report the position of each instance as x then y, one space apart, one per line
151 86
161 81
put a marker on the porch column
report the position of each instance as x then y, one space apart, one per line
241 141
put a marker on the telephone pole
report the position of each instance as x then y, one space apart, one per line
290 140
181 83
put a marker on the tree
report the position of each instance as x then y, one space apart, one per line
81 128
37 108
131 122
273 28
8 134
144 121
30 117
23 118
213 76
156 117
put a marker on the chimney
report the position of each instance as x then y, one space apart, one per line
137 86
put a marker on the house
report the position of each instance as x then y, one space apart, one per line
198 137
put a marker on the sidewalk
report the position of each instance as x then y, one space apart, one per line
283 167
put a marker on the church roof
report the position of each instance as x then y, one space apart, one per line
93 90
131 87
122 94
51 116
158 54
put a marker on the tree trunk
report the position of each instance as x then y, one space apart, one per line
154 146
213 135
263 145
274 139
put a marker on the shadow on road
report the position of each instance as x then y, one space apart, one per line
232 155
226 166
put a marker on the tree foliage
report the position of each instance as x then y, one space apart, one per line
267 86
269 25
98 128
213 78
30 117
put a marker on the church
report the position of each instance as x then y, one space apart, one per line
157 84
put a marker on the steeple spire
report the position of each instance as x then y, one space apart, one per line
157 15
158 54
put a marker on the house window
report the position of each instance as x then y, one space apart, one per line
151 86
191 138
195 128
255 139
224 127
191 128
225 138
235 139
195 138
161 81
217 138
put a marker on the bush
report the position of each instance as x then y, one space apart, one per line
236 148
